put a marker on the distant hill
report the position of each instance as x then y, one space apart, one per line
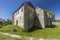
1 19
56 20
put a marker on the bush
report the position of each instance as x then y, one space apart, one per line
6 22
14 30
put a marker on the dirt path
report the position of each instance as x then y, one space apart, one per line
24 37
56 23
12 35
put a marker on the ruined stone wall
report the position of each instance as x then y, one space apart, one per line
47 18
39 21
19 17
28 17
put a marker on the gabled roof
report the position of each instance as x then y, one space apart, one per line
29 3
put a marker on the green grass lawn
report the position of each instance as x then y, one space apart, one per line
3 37
52 32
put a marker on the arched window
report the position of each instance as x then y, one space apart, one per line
16 22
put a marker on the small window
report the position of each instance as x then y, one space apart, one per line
16 22
38 14
18 11
21 9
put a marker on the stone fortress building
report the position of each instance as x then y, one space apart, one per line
26 17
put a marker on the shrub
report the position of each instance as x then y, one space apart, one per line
14 30
6 22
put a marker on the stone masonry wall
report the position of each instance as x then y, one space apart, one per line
28 17
40 18
19 17
47 19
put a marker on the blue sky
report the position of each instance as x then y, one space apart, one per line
7 7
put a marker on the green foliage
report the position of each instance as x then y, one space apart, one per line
56 20
3 23
50 13
6 22
53 32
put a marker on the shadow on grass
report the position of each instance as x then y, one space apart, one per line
34 28
53 26
38 28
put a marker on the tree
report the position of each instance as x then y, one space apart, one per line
3 23
8 21
50 13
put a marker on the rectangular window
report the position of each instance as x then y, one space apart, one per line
21 9
18 11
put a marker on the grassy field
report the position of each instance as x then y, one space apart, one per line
3 37
49 32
